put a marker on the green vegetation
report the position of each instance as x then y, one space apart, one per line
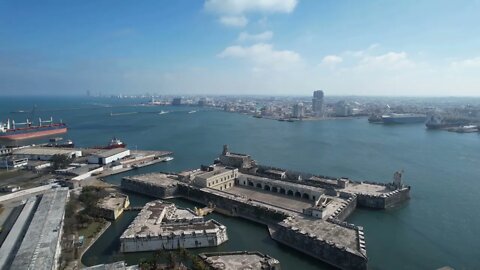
173 260
80 220
4 174
91 230
60 161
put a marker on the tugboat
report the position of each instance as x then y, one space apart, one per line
375 119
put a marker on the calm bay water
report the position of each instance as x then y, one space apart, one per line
439 226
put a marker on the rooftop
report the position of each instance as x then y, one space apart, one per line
46 151
160 218
114 201
39 246
110 152
217 170
239 260
158 179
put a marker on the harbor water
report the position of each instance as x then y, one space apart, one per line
439 226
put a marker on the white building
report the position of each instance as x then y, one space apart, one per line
220 178
13 162
105 157
161 225
298 110
45 153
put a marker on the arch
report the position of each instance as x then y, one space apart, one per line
250 183
266 187
274 189
306 196
259 185
283 191
290 193
298 194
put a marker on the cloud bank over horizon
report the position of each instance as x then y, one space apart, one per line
270 47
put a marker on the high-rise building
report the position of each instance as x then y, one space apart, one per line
317 103
177 101
298 110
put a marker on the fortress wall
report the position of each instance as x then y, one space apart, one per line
319 248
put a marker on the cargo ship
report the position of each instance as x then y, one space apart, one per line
403 118
27 130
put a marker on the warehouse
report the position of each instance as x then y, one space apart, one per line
45 153
105 157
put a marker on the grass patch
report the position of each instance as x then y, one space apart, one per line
91 230
4 174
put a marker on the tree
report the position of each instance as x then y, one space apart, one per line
172 260
60 161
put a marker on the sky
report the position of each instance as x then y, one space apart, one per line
222 47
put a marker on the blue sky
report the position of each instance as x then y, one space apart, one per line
420 48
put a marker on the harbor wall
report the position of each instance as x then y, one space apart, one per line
170 241
346 209
318 248
157 191
387 200
232 205
398 196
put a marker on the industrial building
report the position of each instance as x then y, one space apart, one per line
161 225
34 240
105 157
13 162
45 153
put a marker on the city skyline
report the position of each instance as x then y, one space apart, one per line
275 47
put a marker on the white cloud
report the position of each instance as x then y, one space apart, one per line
263 56
245 6
332 60
234 21
390 60
467 63
260 37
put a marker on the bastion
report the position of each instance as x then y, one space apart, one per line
161 225
303 211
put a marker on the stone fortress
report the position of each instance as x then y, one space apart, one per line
304 211
161 225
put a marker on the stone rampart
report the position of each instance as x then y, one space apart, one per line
150 189
314 245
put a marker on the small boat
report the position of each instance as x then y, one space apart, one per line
192 111
163 112
168 159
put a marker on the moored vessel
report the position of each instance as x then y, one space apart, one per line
403 118
12 130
